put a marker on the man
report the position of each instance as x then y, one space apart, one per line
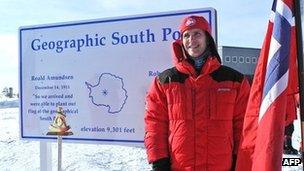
195 110
291 115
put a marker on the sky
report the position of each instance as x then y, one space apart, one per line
240 22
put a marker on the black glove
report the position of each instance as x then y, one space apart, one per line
162 164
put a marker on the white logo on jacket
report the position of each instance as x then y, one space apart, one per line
224 89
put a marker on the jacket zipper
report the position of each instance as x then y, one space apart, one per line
193 115
193 103
209 117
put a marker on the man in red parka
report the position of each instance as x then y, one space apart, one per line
195 110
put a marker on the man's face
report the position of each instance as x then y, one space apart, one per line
194 41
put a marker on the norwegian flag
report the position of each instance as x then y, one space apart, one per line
275 78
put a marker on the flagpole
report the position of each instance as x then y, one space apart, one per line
298 28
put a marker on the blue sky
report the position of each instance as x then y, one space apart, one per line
240 22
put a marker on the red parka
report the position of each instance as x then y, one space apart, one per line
195 120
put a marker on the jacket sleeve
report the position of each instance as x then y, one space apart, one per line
156 123
240 109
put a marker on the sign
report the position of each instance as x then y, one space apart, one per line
98 71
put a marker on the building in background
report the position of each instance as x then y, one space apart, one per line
245 59
241 59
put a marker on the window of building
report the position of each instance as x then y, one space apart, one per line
247 59
227 59
254 60
234 59
241 59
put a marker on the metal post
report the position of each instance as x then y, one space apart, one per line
300 65
59 140
45 156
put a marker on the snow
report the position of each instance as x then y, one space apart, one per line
296 141
16 154
21 155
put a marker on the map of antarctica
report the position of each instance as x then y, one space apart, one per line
109 92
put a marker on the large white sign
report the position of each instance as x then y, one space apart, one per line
99 71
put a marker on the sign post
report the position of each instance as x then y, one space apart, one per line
45 156
59 128
59 140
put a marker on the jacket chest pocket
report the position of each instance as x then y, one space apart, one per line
222 103
178 103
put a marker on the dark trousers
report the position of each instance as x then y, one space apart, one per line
289 130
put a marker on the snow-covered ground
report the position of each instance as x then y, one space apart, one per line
296 139
21 155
